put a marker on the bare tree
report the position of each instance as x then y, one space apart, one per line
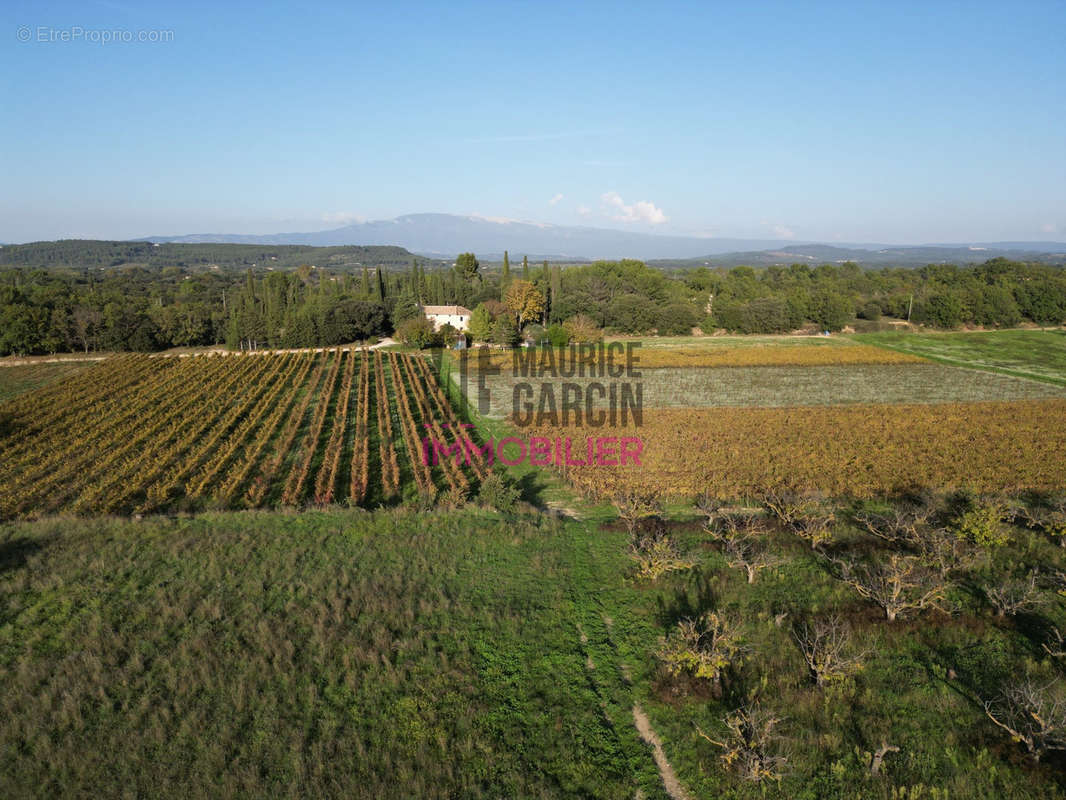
815 527
826 647
726 527
1049 519
656 554
750 553
1034 714
634 505
899 585
806 515
1056 648
911 527
788 505
1014 596
752 744
899 525
702 647
86 322
1058 582
710 505
743 540
943 550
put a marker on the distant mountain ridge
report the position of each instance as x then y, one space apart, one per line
445 235
440 235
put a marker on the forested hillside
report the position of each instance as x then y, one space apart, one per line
89 253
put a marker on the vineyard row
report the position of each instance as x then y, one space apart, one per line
138 435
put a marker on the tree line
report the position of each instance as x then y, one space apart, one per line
120 308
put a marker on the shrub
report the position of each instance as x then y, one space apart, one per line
535 333
982 525
499 493
677 319
417 332
557 335
582 328
505 331
870 311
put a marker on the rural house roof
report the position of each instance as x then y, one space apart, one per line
447 310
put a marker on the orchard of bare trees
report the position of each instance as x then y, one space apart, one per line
770 605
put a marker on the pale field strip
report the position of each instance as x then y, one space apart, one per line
780 387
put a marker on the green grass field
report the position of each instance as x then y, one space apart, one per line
16 380
336 654
355 654
1037 355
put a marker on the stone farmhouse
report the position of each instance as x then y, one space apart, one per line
456 316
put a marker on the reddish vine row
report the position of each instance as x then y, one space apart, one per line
326 480
294 487
360 479
390 465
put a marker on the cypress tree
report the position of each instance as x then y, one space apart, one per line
555 287
381 285
525 268
505 276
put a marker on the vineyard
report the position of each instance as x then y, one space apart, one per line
138 434
858 450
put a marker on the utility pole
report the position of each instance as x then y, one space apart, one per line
910 305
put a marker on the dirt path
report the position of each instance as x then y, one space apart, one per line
648 734
29 361
386 342
562 509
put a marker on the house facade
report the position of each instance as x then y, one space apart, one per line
456 316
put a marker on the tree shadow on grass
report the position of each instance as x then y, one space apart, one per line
682 604
8 426
15 552
1036 629
531 488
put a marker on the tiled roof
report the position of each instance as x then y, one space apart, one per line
446 310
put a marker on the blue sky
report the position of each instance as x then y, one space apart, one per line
893 122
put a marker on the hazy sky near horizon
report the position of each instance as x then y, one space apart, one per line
897 122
